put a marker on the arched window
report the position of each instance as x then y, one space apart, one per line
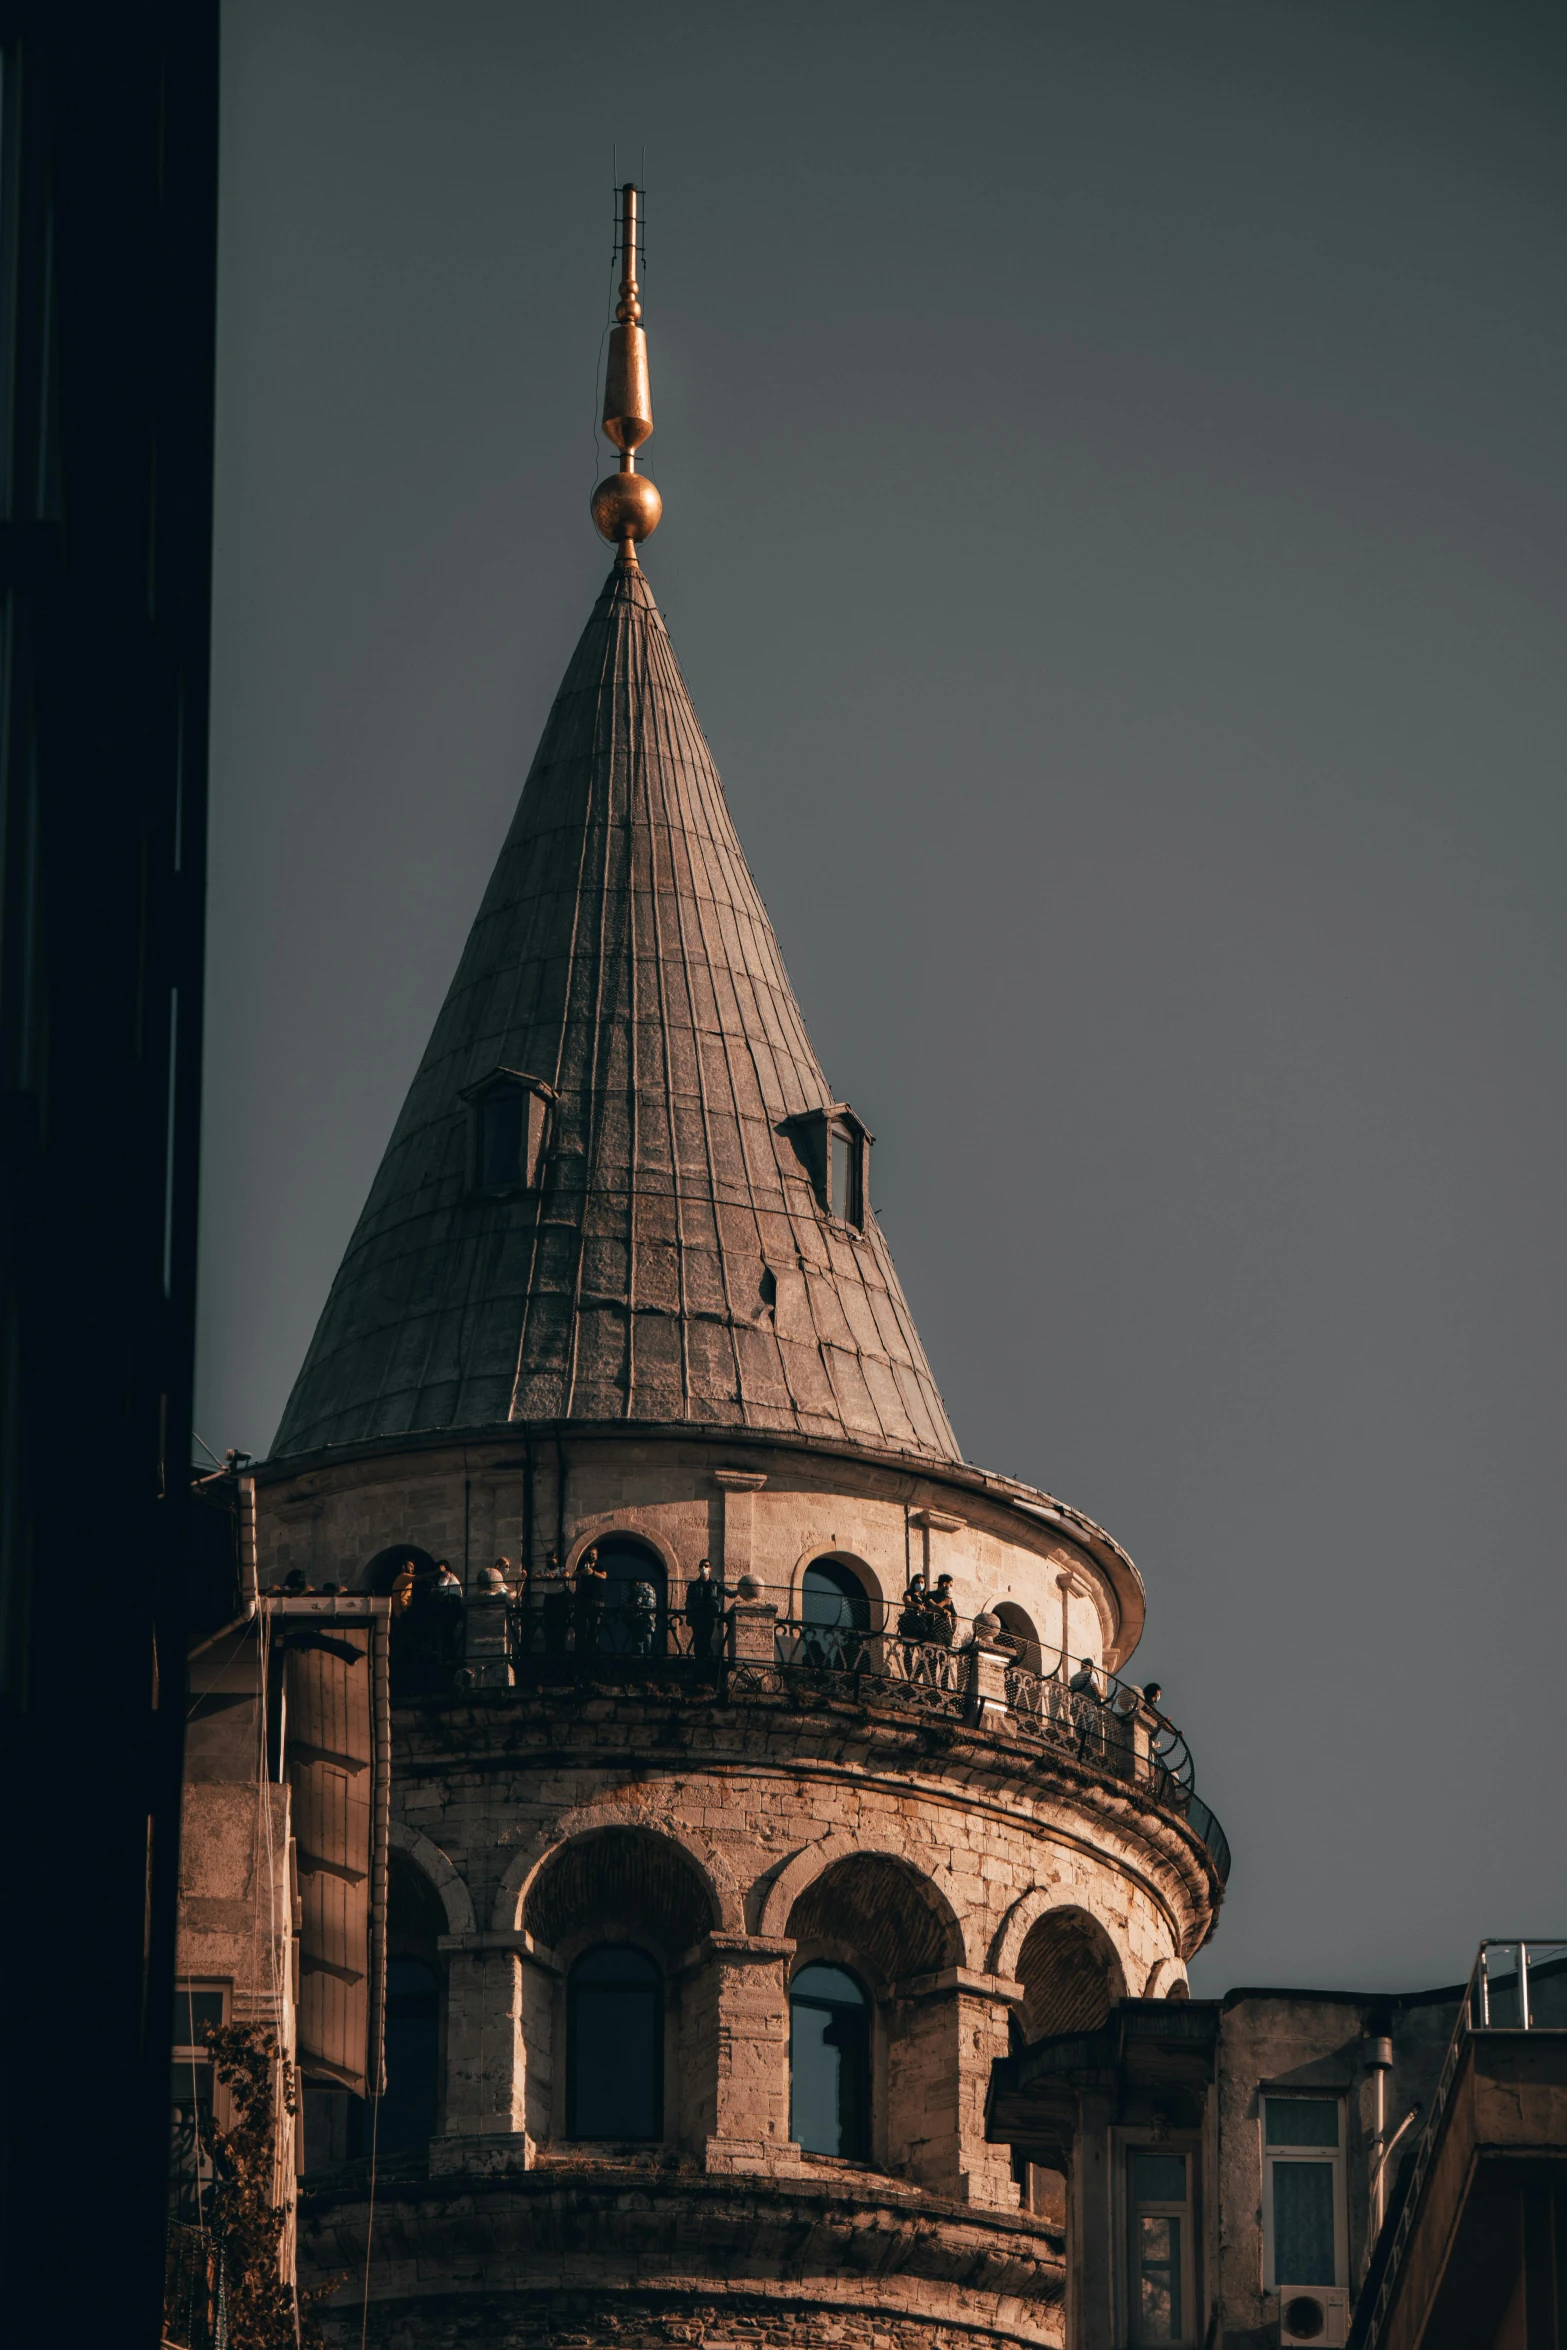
384 1568
1020 1632
636 1598
833 1594
615 2045
829 2063
835 1611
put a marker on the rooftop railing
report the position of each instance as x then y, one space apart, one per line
1515 1987
925 1662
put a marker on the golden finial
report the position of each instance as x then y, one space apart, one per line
626 505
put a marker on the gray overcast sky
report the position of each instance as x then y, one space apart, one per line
1114 472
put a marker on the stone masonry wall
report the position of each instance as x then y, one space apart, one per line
734 1835
602 2321
466 1505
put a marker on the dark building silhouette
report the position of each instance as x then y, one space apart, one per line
108 125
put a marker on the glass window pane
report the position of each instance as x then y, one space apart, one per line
833 1594
829 2077
614 2056
1303 2251
1158 2178
1158 2280
815 2061
1302 2121
193 2012
408 2105
833 1983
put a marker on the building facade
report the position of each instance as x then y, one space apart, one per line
714 1896
745 1901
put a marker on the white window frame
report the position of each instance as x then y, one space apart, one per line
1275 2152
1187 2150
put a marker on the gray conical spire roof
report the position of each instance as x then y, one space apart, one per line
674 1263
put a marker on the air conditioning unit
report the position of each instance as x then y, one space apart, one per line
1318 2314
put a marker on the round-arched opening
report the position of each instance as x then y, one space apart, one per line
892 1921
633 1600
831 1593
384 1568
615 2044
1070 1975
829 2063
1019 1630
620 1884
835 1615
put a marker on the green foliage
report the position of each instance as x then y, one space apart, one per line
245 2219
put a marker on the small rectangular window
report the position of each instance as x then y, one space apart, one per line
1160 2245
840 1172
195 2012
500 1140
508 1131
1303 2214
847 1198
1302 2121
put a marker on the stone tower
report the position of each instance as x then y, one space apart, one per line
714 1898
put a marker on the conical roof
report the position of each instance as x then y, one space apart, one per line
674 1263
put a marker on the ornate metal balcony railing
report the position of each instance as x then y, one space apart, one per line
1514 1987
1099 1720
195 2300
969 1672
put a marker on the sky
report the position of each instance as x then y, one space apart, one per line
1114 480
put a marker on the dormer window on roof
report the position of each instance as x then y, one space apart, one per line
836 1147
508 1132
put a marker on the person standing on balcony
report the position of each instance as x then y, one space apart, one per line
589 1586
1163 1736
943 1613
556 1608
445 1597
914 1620
704 1609
1088 1708
641 1616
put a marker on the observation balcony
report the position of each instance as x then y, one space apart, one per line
973 1673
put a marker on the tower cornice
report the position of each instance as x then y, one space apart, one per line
1025 1509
